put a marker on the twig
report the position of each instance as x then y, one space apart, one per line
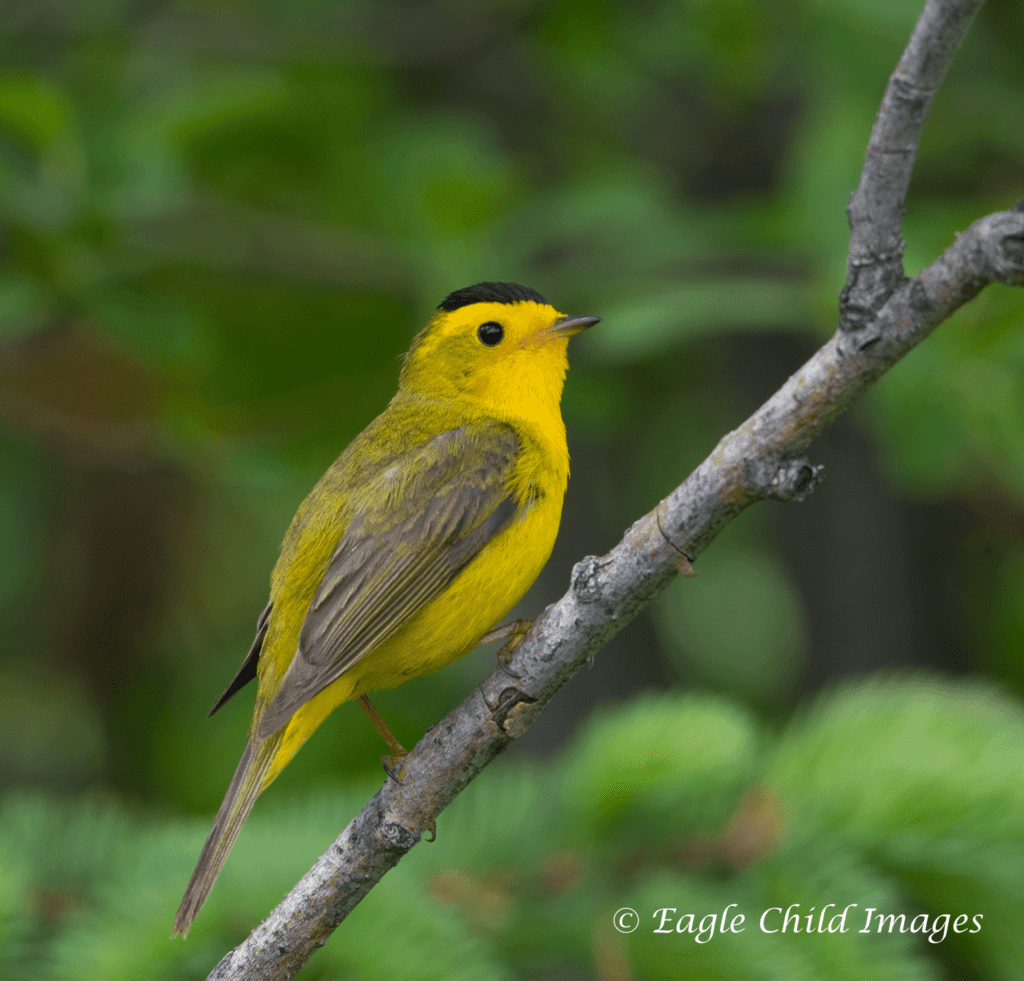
761 459
875 265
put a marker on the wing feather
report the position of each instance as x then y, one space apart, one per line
426 518
248 669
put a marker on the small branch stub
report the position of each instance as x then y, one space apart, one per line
684 567
782 480
1002 244
795 480
586 579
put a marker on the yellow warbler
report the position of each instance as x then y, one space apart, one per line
420 537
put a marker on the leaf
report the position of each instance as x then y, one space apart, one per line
740 624
664 765
927 777
649 326
33 110
23 306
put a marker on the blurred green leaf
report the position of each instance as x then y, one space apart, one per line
23 306
648 327
663 766
739 624
939 759
33 109
163 331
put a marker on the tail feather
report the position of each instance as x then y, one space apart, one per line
245 787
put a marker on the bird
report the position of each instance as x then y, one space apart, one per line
416 542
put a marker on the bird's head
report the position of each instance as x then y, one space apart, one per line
500 346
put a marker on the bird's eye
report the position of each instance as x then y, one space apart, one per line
490 333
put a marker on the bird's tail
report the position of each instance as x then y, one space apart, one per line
245 787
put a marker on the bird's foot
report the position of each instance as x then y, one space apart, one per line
515 629
394 766
512 633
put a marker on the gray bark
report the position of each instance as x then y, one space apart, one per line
875 265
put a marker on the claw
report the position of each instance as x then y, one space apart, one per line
394 767
513 633
505 669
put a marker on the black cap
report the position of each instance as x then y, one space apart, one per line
490 293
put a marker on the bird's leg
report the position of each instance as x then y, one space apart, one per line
398 751
513 632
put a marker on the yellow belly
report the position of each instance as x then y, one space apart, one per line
446 628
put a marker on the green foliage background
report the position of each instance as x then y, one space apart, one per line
220 225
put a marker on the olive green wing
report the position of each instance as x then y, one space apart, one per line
423 520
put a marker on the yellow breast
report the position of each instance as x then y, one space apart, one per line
450 626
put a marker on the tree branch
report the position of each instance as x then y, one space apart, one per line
761 459
875 265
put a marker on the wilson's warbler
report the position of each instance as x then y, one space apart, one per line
420 537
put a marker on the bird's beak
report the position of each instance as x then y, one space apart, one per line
570 326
